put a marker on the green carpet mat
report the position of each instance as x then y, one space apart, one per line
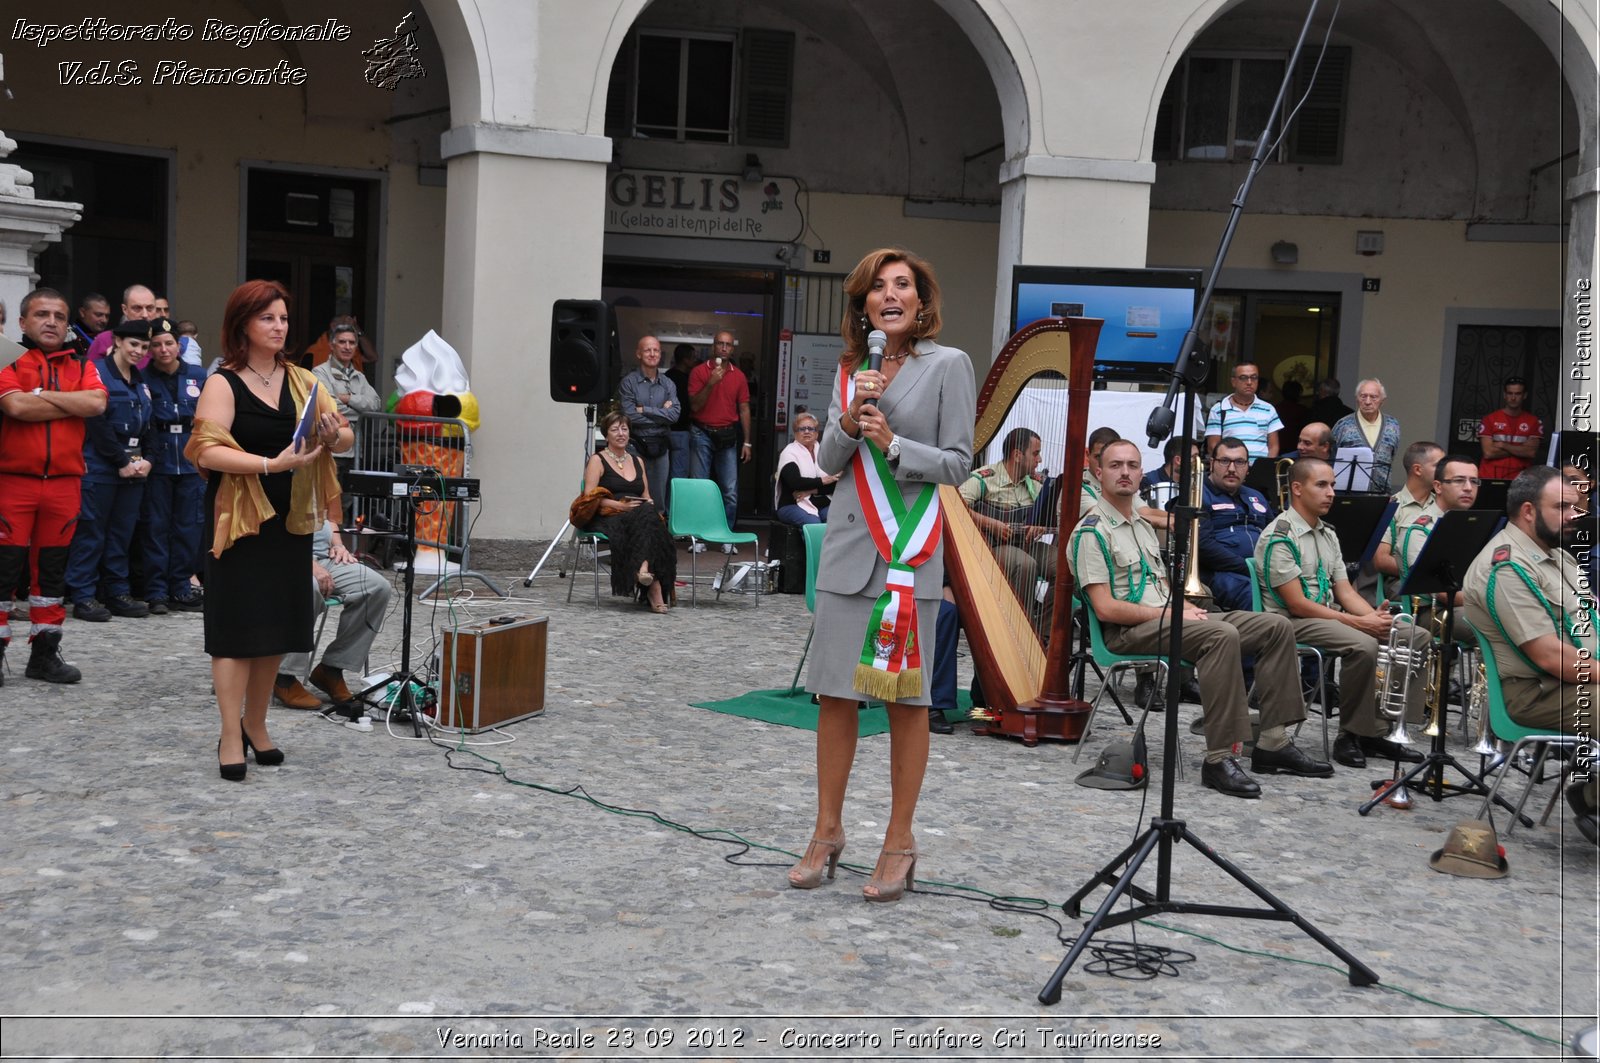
780 707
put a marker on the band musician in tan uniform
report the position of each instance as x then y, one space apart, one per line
1530 599
1001 500
1421 461
1303 577
1117 563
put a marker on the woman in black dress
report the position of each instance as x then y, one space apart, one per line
263 501
643 558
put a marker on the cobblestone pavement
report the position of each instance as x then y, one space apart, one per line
365 898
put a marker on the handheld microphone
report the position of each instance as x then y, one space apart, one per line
876 342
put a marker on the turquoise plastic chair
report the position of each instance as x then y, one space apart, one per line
697 515
1110 664
1302 650
593 540
813 536
1507 729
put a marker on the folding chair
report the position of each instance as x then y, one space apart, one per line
697 515
1301 650
1110 664
1506 728
813 534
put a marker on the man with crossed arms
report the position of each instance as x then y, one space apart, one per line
1116 560
1302 575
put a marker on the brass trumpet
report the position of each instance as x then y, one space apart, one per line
1281 473
1478 701
1194 590
1438 678
1397 661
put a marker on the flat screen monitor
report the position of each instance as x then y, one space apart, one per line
1146 311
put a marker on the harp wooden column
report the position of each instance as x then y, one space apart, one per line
1025 682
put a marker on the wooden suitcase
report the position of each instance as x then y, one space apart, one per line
491 673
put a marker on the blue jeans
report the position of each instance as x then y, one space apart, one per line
793 514
100 544
719 465
680 465
946 639
656 472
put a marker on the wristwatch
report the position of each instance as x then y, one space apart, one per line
893 453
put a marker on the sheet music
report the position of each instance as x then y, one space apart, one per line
1352 469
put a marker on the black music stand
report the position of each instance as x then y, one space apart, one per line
1455 541
1492 495
1188 374
404 703
1360 521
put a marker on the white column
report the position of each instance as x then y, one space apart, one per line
524 223
1057 211
26 226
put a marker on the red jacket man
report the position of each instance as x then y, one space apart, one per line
44 397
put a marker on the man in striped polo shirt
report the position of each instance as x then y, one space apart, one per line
1247 418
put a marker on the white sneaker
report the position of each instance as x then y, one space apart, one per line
728 548
362 724
697 548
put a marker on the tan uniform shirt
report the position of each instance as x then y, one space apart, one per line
993 486
1088 494
1134 572
1320 563
1522 616
1410 509
1414 536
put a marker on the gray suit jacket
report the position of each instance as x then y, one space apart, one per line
932 406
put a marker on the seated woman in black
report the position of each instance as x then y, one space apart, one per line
644 562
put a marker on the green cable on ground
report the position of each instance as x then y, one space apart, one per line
1018 903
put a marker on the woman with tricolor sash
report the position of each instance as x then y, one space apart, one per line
894 433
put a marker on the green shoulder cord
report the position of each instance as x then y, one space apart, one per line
1405 547
1317 597
1135 594
1562 625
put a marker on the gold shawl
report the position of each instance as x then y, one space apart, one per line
242 505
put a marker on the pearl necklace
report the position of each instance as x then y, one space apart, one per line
897 358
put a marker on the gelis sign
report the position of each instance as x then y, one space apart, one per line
702 205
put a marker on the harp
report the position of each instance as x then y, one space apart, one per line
1024 660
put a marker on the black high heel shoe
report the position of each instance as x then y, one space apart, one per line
230 772
267 758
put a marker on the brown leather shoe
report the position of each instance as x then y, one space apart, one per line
331 682
292 695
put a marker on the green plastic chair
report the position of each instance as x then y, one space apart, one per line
1110 663
813 536
1302 650
1507 729
697 515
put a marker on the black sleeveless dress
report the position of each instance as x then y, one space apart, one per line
636 536
259 592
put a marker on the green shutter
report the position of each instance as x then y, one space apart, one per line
766 71
1318 133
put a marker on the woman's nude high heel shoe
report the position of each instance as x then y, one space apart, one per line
887 891
809 878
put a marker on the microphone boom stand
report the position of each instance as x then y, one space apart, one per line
1164 830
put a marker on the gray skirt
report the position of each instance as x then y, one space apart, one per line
841 628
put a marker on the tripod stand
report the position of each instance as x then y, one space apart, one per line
588 449
405 702
1459 534
1165 830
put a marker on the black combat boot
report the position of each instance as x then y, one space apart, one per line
46 662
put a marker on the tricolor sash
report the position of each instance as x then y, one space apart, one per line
906 536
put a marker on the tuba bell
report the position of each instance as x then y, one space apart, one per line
1397 662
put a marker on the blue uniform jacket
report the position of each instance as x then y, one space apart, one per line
113 438
173 398
1230 526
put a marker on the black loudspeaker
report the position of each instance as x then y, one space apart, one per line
583 351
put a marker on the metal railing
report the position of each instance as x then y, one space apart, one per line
384 442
